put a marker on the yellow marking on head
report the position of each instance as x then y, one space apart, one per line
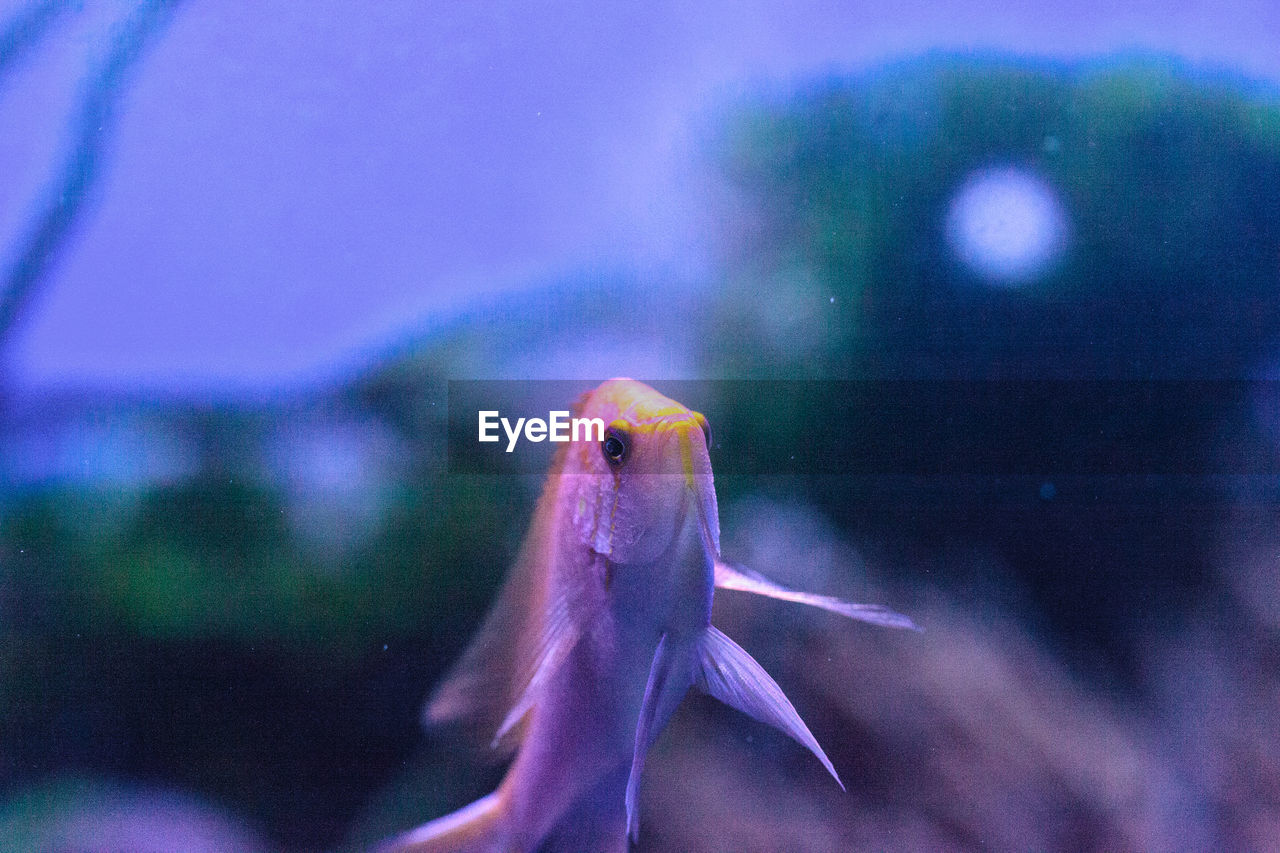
642 411
637 403
682 422
686 453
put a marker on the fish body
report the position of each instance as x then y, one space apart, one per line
603 626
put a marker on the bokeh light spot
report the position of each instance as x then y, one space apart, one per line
1007 224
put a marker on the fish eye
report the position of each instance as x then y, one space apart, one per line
615 446
706 427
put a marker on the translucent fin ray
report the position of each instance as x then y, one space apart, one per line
725 671
669 680
559 636
729 576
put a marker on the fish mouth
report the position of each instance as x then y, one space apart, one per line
695 466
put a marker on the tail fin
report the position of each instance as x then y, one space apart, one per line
477 828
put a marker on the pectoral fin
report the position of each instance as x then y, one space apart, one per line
559 636
669 680
724 670
524 637
743 579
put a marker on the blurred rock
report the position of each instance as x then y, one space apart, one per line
89 816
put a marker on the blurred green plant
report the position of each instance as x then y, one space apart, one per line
839 264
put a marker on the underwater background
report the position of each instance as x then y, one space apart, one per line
997 296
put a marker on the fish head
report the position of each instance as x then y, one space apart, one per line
650 475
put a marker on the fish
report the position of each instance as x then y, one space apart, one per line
602 627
